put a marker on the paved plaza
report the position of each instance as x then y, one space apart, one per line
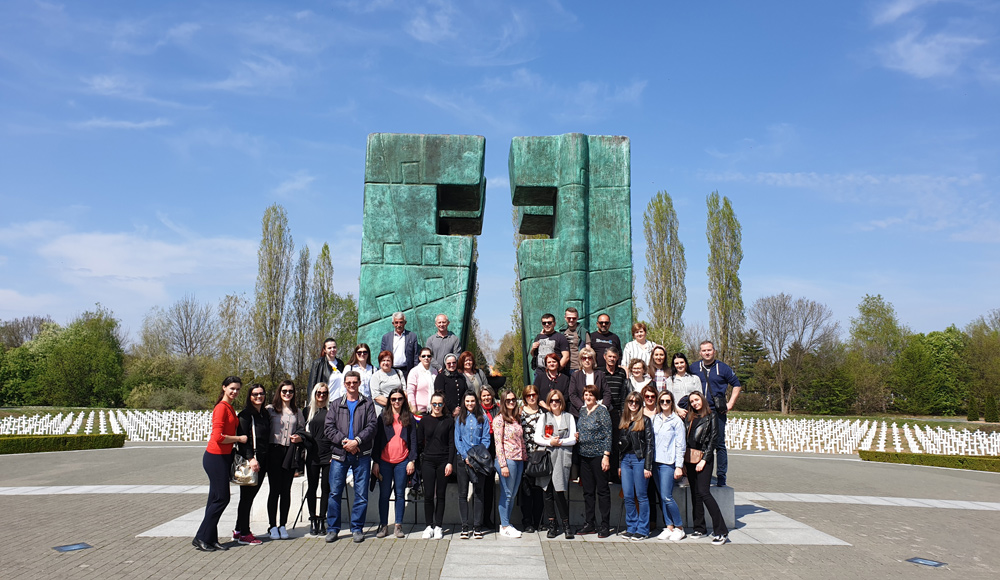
798 516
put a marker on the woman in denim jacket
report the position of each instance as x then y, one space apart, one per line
471 428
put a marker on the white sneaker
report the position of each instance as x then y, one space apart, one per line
438 533
677 535
664 535
510 532
428 533
273 532
282 533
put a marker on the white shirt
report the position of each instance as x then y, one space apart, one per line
398 350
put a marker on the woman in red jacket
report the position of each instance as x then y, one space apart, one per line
217 461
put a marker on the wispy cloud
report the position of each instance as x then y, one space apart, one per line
432 23
15 234
263 73
14 303
926 45
120 86
102 123
220 138
297 183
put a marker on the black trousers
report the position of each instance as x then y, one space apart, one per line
435 488
701 496
318 476
279 480
556 507
247 495
476 521
596 492
532 502
489 496
217 467
653 493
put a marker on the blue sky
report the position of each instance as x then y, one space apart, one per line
141 142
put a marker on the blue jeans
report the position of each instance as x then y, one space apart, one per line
634 488
721 455
664 475
361 465
508 488
393 474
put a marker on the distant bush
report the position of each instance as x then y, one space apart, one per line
38 443
177 399
953 461
973 414
990 410
750 402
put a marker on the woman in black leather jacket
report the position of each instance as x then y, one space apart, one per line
635 446
255 423
701 437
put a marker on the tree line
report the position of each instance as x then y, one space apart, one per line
184 351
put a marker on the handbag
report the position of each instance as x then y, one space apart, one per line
539 464
241 473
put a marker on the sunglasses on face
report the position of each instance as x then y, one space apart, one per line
633 402
586 358
437 404
665 401
287 392
425 356
535 395
548 322
322 393
396 399
364 352
256 394
556 401
509 401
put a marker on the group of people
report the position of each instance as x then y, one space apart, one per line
427 414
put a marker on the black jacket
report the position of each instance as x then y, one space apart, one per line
314 439
702 433
320 373
576 384
383 433
453 387
638 442
262 423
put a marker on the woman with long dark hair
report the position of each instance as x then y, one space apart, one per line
682 383
491 410
395 452
361 361
701 433
510 457
635 445
471 429
286 420
217 462
668 463
436 445
659 369
255 424
317 457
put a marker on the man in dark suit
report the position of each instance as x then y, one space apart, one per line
324 366
402 344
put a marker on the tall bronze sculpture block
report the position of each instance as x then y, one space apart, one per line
424 199
575 189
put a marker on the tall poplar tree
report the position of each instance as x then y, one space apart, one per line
666 294
322 300
274 271
300 313
725 252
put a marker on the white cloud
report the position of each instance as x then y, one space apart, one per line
263 73
17 234
432 24
14 304
298 182
103 123
896 9
928 56
223 138
122 87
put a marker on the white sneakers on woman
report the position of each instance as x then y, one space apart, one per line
428 533
509 531
438 533
675 535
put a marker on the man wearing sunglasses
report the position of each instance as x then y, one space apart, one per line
603 338
548 341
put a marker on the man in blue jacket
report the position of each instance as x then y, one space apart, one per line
716 378
350 427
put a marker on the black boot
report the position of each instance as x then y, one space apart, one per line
553 529
322 525
315 526
568 529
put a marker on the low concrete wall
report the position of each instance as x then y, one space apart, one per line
414 514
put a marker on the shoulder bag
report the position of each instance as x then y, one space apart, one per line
241 473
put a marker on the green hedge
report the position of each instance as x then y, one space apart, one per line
38 443
980 463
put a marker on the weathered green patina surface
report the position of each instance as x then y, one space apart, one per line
424 199
576 189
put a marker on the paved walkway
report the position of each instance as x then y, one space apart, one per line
797 517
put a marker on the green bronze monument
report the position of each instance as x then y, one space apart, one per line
424 199
575 189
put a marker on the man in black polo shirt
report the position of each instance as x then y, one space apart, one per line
603 338
548 341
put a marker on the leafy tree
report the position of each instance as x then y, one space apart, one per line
509 360
973 413
928 375
84 364
990 410
877 338
17 376
982 355
666 267
274 266
235 336
751 350
300 315
15 332
323 301
345 322
827 388
725 252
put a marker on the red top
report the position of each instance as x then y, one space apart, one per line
224 422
